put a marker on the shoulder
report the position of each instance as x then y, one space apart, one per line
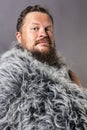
15 55
74 78
15 60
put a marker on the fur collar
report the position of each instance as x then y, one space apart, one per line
37 96
53 72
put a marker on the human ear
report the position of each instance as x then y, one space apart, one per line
18 37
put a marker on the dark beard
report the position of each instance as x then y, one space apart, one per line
50 57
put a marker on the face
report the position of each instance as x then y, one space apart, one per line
37 33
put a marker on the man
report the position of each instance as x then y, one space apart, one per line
37 91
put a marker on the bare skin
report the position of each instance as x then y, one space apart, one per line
74 78
37 32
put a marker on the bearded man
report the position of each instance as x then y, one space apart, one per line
37 90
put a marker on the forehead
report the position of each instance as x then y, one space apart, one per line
38 17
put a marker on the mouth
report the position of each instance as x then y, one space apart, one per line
45 42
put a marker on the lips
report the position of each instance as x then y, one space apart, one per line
43 42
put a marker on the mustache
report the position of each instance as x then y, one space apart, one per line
45 39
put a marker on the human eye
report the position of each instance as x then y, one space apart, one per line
35 29
49 28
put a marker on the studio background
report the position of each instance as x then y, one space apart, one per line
70 18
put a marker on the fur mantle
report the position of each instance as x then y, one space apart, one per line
36 96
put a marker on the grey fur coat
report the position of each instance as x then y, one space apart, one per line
36 96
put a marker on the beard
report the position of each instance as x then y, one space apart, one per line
51 57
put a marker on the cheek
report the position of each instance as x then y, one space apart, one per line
51 35
32 37
52 38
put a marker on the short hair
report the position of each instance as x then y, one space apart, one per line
35 8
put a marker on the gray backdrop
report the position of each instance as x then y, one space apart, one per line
70 17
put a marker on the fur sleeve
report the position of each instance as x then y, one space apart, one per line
10 83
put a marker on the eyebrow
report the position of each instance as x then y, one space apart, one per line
35 23
39 24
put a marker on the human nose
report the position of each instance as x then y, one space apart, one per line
42 32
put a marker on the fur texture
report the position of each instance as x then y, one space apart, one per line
36 96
